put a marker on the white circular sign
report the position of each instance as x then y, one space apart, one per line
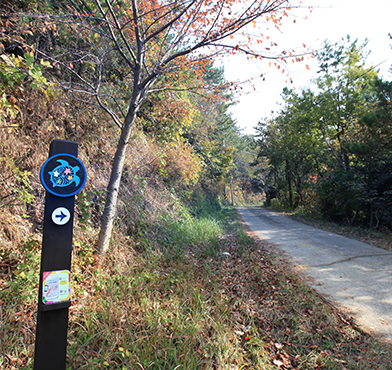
61 216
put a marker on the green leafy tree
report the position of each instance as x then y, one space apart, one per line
293 146
372 154
345 92
334 138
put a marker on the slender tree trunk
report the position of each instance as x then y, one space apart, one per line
232 192
109 212
288 179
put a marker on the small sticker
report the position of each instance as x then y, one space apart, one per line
56 286
61 216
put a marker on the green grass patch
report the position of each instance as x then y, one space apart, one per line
201 233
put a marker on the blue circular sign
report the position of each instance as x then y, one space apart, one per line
63 175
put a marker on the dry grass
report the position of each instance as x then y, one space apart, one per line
216 302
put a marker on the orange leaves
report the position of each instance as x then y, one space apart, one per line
208 25
166 36
182 163
307 67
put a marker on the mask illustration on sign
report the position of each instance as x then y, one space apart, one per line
64 174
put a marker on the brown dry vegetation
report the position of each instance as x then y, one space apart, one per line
148 306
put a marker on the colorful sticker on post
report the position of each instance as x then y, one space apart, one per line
56 286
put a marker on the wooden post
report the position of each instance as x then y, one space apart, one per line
232 192
62 175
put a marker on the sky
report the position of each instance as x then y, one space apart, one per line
329 19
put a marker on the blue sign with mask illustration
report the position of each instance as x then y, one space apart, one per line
63 175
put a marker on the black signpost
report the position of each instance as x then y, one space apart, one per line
63 175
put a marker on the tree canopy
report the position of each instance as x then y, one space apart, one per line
330 142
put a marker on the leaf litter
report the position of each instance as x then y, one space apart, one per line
162 313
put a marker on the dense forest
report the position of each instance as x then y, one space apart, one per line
328 151
136 85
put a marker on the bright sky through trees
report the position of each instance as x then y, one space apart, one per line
330 19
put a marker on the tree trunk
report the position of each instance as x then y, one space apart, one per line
139 93
232 192
109 212
288 179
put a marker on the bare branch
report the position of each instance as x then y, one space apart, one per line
109 111
113 36
121 32
171 22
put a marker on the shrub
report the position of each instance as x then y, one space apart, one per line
342 197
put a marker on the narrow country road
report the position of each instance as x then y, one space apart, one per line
354 276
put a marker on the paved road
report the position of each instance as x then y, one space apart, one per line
353 275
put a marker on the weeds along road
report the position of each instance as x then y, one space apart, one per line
354 276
